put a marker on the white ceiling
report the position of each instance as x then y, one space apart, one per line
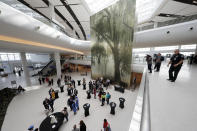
16 24
176 8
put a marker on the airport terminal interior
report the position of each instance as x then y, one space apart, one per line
98 65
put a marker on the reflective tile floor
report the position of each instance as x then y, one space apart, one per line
174 105
27 109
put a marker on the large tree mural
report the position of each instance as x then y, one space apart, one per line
112 37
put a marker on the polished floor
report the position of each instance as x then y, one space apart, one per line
20 80
174 105
27 109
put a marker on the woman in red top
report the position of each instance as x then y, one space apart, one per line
105 124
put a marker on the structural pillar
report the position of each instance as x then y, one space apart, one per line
196 50
75 56
58 65
25 69
155 24
179 47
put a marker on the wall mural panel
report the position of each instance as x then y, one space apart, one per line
112 37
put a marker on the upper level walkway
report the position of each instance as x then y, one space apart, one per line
173 106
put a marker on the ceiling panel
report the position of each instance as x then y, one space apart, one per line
80 12
36 3
162 19
57 2
191 10
65 12
45 11
173 7
73 1
85 25
75 25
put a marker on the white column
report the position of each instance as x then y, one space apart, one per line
75 56
196 50
179 47
58 65
25 69
152 51
155 24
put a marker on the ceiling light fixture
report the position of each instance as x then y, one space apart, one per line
38 44
58 36
191 28
37 28
195 2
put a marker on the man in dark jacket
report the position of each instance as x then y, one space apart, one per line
176 62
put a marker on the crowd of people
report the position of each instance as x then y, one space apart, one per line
48 80
96 88
175 63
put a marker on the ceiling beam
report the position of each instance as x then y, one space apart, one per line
37 11
74 17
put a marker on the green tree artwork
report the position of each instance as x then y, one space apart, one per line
112 32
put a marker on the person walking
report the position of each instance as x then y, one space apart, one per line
176 62
75 128
77 102
65 112
43 80
82 126
94 90
52 81
59 82
53 94
108 96
70 102
51 103
74 108
149 63
103 99
106 125
73 83
46 103
158 61
40 81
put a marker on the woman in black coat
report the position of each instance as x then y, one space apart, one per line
82 126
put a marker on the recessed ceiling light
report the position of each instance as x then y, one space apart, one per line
37 28
195 2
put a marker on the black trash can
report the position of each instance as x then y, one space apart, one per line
79 82
113 106
56 94
88 94
86 109
84 86
69 90
62 88
122 100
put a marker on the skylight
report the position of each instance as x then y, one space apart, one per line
144 8
97 5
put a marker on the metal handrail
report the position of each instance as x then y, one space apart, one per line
141 115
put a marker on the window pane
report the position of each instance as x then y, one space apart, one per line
141 49
11 57
17 56
28 56
166 48
193 46
4 58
